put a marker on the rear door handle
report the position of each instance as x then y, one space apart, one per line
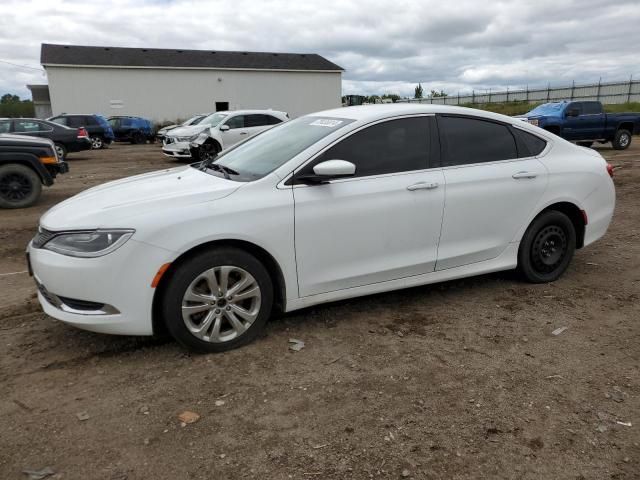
521 175
422 186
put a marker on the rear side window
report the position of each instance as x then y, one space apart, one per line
5 126
272 120
256 120
394 146
90 121
471 140
76 121
60 120
591 108
529 145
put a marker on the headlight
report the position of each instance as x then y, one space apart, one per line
91 243
533 121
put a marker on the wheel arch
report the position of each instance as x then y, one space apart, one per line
574 213
625 126
270 263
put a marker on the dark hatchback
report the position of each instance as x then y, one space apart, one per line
65 139
100 131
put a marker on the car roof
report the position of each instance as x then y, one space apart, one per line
380 111
245 112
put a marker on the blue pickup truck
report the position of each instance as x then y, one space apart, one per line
585 123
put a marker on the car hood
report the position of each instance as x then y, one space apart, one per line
116 204
187 131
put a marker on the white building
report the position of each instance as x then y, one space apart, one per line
166 85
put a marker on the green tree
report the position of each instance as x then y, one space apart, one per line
392 96
438 94
8 98
418 91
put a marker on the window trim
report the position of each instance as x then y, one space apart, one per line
542 153
434 152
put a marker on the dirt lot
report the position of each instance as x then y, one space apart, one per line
462 380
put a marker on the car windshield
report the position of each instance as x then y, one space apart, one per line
547 109
213 119
194 120
260 155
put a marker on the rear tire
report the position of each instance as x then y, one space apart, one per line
97 143
61 151
138 138
203 310
622 140
20 186
547 247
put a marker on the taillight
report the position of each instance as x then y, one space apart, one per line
82 132
610 170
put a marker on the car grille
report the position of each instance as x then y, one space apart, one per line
42 237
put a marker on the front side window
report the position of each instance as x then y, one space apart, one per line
5 126
60 120
400 145
236 122
470 140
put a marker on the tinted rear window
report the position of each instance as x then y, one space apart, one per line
471 140
529 145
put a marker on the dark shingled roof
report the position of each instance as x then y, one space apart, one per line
160 57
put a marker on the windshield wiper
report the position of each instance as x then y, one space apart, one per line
226 171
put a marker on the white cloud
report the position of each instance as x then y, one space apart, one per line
384 46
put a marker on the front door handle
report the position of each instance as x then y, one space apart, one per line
422 186
243 133
521 175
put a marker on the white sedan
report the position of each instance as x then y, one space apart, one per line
333 205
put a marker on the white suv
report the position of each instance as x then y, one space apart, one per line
218 131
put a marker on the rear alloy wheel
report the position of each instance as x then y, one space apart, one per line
61 151
97 143
218 300
622 140
547 247
20 186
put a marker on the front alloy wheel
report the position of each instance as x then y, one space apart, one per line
221 304
20 186
216 300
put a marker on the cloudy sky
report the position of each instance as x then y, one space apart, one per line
385 46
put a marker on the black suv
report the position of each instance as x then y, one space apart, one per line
66 139
100 132
26 163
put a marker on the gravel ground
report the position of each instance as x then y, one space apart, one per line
461 380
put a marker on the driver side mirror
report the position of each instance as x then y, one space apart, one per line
573 112
328 170
224 128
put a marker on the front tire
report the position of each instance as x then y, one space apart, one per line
20 186
208 151
547 247
217 300
622 140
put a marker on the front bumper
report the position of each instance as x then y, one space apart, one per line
176 149
108 294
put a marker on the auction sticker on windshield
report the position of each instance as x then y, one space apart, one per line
326 122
